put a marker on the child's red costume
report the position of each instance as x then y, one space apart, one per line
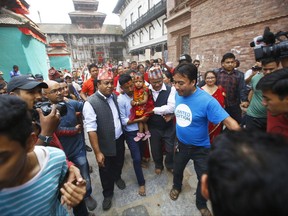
140 110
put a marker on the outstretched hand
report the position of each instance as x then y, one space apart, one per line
74 190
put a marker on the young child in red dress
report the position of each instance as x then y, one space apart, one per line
141 104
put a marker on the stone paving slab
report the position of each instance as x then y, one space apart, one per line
127 202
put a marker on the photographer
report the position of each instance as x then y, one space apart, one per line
29 90
256 116
70 135
274 88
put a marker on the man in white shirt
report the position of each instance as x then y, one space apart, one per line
103 124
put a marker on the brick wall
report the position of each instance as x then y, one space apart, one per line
218 27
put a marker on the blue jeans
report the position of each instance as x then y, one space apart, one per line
199 155
80 161
136 155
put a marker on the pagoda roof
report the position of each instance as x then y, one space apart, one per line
56 51
17 6
27 26
58 43
85 1
52 28
86 14
86 4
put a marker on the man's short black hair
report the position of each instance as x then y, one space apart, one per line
124 78
187 69
91 66
247 174
277 82
15 120
266 61
227 56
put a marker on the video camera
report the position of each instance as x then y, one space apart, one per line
46 108
265 46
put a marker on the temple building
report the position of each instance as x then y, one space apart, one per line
59 55
88 39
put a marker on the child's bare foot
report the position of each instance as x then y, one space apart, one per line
144 164
145 159
142 191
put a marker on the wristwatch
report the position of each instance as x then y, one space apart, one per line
45 139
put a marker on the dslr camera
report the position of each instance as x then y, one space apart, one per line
270 45
46 108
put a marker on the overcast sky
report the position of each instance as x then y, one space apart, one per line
56 11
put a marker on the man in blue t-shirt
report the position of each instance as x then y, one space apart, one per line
194 108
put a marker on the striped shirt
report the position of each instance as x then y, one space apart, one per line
38 196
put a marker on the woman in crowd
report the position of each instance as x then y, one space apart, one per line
167 77
218 93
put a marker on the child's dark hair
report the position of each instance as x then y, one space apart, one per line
15 120
139 74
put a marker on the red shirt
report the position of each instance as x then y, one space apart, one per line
146 76
116 78
277 124
88 87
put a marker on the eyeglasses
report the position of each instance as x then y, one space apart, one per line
209 78
54 91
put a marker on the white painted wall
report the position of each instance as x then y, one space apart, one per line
159 33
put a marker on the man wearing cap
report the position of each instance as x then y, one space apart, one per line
88 87
75 86
103 124
185 58
68 79
161 124
39 77
30 90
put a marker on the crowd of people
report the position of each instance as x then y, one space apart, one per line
174 111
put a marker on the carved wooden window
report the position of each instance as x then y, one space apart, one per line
185 44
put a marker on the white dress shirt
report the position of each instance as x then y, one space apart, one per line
167 108
90 116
